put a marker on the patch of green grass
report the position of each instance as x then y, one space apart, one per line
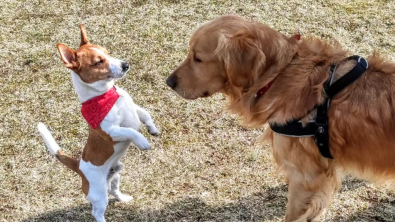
204 166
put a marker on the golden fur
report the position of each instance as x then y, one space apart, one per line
237 58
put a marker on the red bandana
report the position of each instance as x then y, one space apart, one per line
95 109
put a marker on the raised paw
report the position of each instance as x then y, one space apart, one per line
142 143
153 130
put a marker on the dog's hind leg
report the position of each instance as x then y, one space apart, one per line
145 117
96 179
115 190
114 179
98 197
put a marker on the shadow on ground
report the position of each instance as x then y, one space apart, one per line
263 206
350 183
380 211
267 205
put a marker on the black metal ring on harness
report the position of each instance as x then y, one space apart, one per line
319 128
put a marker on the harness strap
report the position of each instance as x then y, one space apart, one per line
321 135
294 129
349 78
319 128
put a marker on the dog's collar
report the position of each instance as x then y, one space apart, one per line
264 89
95 109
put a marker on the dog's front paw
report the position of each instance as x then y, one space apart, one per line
142 143
153 130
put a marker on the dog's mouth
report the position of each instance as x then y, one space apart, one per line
205 94
116 76
188 95
118 71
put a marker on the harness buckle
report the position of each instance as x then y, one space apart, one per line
362 61
322 139
322 130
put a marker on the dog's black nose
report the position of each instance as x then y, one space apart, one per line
125 66
172 81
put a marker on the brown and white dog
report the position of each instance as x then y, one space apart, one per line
272 78
113 118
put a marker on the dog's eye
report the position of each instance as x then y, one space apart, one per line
198 60
99 62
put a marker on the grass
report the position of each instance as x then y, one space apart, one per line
204 166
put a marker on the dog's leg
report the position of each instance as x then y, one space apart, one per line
114 191
122 133
113 179
308 200
312 179
145 117
96 179
98 197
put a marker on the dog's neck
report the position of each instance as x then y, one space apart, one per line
86 91
297 89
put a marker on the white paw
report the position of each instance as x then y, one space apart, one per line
153 130
142 143
124 198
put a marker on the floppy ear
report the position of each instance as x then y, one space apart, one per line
84 39
242 57
68 55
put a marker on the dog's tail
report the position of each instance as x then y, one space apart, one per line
54 148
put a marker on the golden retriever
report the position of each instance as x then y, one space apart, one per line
237 58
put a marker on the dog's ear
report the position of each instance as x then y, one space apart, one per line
84 39
68 55
242 57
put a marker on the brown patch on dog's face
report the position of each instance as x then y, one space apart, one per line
201 74
91 62
93 66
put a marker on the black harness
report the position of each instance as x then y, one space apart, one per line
319 127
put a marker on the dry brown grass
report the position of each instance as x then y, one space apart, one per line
204 166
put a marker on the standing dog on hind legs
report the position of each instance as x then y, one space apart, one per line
113 118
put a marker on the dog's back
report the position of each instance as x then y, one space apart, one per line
362 123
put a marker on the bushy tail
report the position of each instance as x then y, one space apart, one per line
54 148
